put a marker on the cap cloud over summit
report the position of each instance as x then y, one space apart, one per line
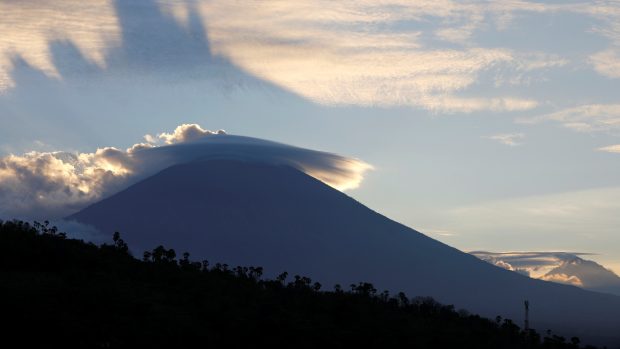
54 184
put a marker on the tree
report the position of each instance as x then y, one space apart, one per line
119 243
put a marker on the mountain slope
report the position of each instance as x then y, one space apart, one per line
163 302
245 213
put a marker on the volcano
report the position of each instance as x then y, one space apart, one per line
242 212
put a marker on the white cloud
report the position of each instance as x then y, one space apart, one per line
344 53
53 184
183 133
585 219
562 267
583 118
534 264
438 232
611 148
341 53
563 279
510 139
607 63
29 28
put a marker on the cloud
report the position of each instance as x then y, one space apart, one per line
423 54
581 219
534 264
587 118
611 148
53 184
510 139
606 63
563 279
30 27
438 232
183 133
562 267
55 181
344 53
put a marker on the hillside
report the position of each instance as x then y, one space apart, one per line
253 213
59 292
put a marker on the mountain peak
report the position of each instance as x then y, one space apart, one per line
243 212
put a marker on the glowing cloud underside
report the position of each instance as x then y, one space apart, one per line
53 184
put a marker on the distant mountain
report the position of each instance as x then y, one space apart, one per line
562 267
275 216
592 275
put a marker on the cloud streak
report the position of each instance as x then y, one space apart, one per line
611 148
588 118
423 54
510 139
341 54
30 27
53 184
606 63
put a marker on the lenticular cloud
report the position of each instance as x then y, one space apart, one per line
54 184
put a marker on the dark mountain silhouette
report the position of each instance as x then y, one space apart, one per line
64 293
246 213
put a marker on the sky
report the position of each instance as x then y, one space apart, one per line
490 126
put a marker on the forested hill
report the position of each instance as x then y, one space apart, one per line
60 292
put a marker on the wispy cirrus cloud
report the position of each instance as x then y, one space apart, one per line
510 139
583 118
424 54
29 28
53 184
611 148
607 63
343 54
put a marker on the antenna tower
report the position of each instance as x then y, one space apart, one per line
527 315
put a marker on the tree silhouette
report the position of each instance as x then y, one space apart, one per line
60 292
120 243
